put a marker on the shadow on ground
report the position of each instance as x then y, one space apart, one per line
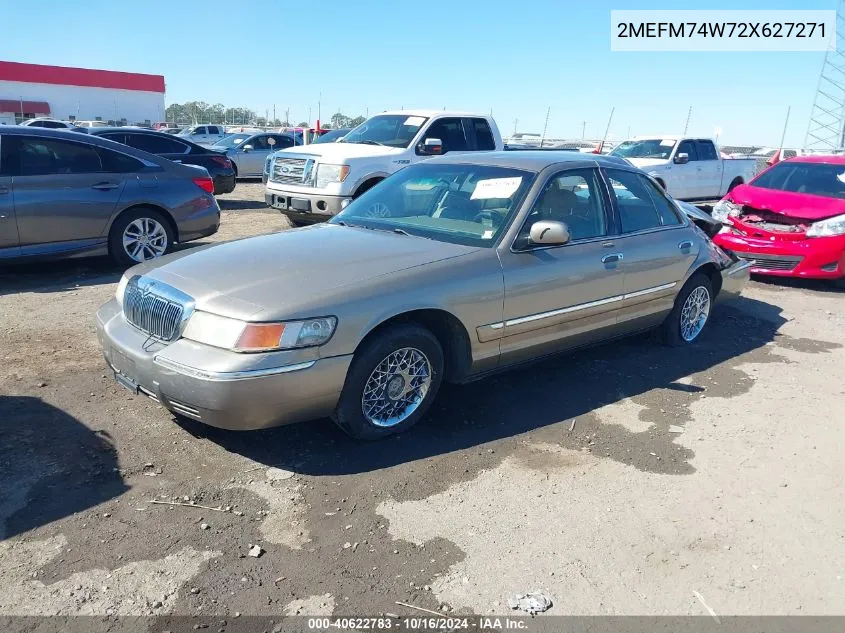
51 465
813 285
57 275
545 398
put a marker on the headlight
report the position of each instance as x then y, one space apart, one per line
327 174
725 208
241 336
827 228
121 289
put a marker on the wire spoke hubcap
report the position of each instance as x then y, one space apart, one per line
396 387
144 239
694 313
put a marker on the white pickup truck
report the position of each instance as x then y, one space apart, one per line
688 168
311 183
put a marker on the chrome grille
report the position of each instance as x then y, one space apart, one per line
292 171
155 314
771 262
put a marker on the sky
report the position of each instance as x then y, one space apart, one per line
517 58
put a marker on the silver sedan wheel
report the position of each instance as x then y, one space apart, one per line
694 313
144 239
396 387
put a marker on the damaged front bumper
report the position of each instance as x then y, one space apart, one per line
734 278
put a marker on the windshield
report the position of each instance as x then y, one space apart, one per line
331 136
461 204
816 179
187 131
232 140
647 148
392 130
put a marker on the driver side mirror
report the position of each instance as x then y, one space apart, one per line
681 159
430 147
548 232
247 148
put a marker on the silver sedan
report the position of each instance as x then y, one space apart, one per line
451 269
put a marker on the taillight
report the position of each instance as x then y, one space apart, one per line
222 161
205 183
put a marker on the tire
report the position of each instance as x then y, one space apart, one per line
366 187
734 184
671 331
401 342
139 218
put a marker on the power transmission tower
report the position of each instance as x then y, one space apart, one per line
826 130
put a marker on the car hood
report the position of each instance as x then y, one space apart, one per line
645 163
802 206
340 151
274 276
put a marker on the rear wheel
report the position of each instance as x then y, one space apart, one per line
139 235
391 383
691 313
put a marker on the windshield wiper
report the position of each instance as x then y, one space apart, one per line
369 142
401 232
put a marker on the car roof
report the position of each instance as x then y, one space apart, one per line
535 160
433 113
829 159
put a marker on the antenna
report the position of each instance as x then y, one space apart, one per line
826 130
545 126
686 125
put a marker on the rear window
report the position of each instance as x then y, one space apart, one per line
483 134
817 179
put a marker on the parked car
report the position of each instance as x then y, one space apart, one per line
314 182
790 220
65 195
688 168
178 150
447 270
89 124
203 134
249 152
172 130
46 122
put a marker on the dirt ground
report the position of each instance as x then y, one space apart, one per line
627 479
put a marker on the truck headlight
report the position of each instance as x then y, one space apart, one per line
725 208
242 336
827 228
327 174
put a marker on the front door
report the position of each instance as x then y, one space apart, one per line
709 169
657 244
688 175
251 163
62 192
562 296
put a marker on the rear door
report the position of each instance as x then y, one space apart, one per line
657 246
8 223
62 191
709 170
252 163
215 133
562 296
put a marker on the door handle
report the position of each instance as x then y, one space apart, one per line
685 245
612 258
105 186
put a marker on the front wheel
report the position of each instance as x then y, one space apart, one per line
391 383
691 313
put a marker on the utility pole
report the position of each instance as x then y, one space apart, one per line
274 113
785 123
319 101
545 126
689 115
583 129
515 121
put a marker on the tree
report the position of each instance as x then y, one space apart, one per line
358 120
302 124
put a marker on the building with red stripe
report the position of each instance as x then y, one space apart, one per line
31 90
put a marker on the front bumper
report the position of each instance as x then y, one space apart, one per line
305 207
213 385
809 258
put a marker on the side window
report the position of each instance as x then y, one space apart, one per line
9 156
42 156
688 147
706 150
155 144
451 134
200 130
117 163
282 141
641 206
212 129
52 124
259 143
574 198
483 134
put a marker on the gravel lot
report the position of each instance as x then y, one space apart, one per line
627 479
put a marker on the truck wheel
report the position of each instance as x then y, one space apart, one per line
734 184
393 379
691 313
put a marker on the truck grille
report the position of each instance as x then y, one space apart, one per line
151 311
771 262
292 171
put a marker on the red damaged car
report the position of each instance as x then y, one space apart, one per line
790 220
